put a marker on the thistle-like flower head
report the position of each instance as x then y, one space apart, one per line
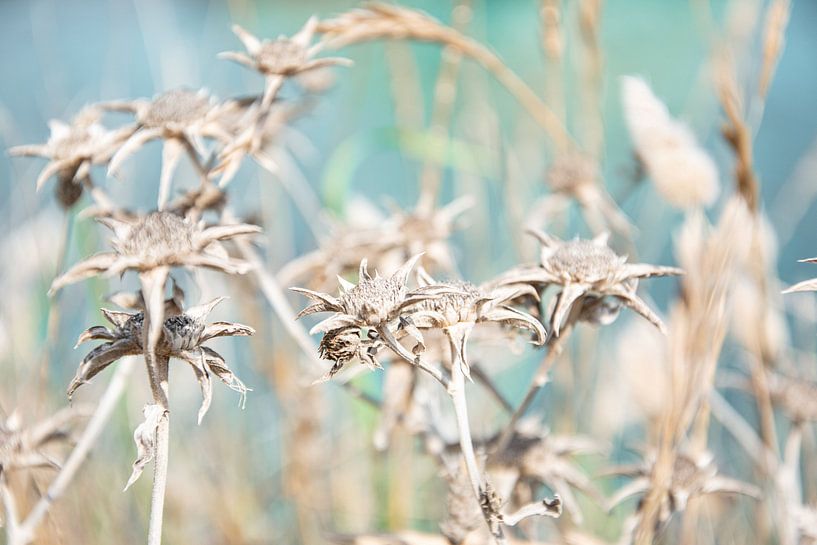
588 272
284 56
22 447
692 476
160 239
183 337
180 117
71 150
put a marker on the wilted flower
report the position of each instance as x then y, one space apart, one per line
383 241
797 397
588 272
283 56
374 302
160 240
691 477
71 150
539 457
182 337
180 117
682 171
22 448
456 307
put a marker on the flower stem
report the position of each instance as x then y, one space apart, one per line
456 389
160 462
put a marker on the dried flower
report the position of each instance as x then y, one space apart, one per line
539 457
383 241
682 171
22 448
180 117
283 56
160 240
588 272
692 476
182 337
374 302
71 150
456 307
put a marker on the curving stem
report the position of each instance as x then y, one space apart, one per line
160 460
456 389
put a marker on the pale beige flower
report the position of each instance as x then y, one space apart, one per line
179 117
692 476
456 307
72 149
595 281
23 447
160 240
536 457
384 241
684 174
182 336
284 56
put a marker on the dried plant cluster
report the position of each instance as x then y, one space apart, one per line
386 292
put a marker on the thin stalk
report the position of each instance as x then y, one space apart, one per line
14 536
456 389
400 350
87 440
157 497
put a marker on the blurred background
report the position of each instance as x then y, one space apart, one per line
232 478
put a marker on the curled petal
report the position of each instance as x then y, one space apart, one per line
634 487
336 321
171 153
96 264
252 43
637 304
314 308
32 150
200 312
96 333
568 296
806 285
319 297
235 56
115 317
99 358
198 363
145 438
136 141
216 364
52 168
225 329
226 265
363 272
223 232
516 318
645 270
402 273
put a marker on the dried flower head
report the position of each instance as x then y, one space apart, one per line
22 448
284 56
182 337
71 150
374 301
539 457
682 171
180 117
456 307
590 273
795 396
383 241
692 476
160 240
